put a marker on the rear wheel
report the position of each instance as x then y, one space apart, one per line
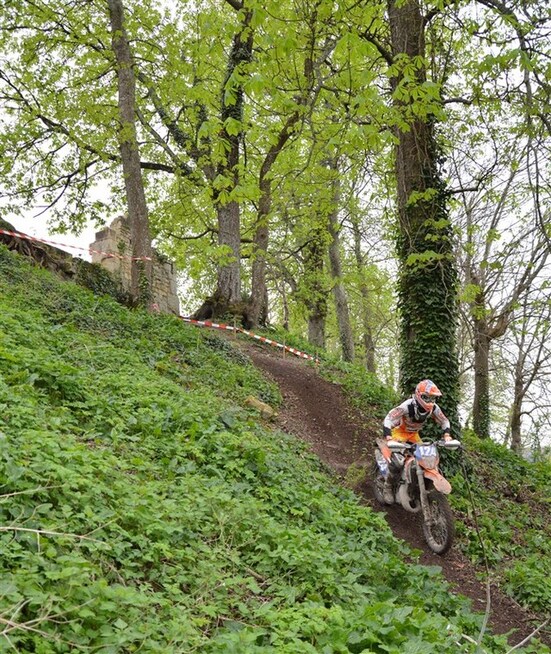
439 528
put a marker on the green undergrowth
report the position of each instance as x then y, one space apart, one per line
144 508
363 388
512 500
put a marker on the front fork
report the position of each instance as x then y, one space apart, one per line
427 515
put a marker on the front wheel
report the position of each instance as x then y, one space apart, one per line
438 526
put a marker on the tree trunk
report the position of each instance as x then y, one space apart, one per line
316 327
492 326
142 268
258 305
339 292
516 408
485 330
427 277
259 292
228 287
285 307
369 343
343 320
481 400
515 426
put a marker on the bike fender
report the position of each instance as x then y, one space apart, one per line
441 484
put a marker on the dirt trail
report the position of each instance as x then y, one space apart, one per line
317 411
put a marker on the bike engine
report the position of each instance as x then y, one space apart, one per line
396 463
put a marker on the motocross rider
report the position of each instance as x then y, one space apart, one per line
404 422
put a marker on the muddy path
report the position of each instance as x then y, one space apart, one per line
317 411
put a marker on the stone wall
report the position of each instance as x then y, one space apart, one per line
116 238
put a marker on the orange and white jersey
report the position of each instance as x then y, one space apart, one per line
408 418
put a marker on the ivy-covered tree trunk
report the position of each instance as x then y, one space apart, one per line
316 323
315 288
142 268
427 276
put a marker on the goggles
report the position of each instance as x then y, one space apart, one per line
431 399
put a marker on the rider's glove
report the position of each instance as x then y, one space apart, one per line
447 437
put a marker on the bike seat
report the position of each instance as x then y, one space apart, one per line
398 446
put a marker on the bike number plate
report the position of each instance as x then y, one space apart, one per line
424 451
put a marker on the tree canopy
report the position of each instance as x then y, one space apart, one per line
372 174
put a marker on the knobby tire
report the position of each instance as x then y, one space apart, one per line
440 534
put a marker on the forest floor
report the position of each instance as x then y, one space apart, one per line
317 411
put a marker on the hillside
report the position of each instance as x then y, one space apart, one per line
144 507
343 436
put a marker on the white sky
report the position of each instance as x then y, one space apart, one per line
38 226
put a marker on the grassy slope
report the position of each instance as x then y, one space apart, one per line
513 514
182 524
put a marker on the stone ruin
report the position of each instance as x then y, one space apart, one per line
116 239
112 239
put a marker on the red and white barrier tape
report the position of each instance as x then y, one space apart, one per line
262 339
207 323
111 255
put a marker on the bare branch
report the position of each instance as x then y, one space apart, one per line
194 237
45 532
385 54
529 637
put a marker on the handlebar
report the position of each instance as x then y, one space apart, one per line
394 446
453 444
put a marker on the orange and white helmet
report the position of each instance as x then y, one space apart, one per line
426 394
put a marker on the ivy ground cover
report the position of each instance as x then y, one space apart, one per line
144 508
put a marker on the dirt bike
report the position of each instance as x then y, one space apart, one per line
419 486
